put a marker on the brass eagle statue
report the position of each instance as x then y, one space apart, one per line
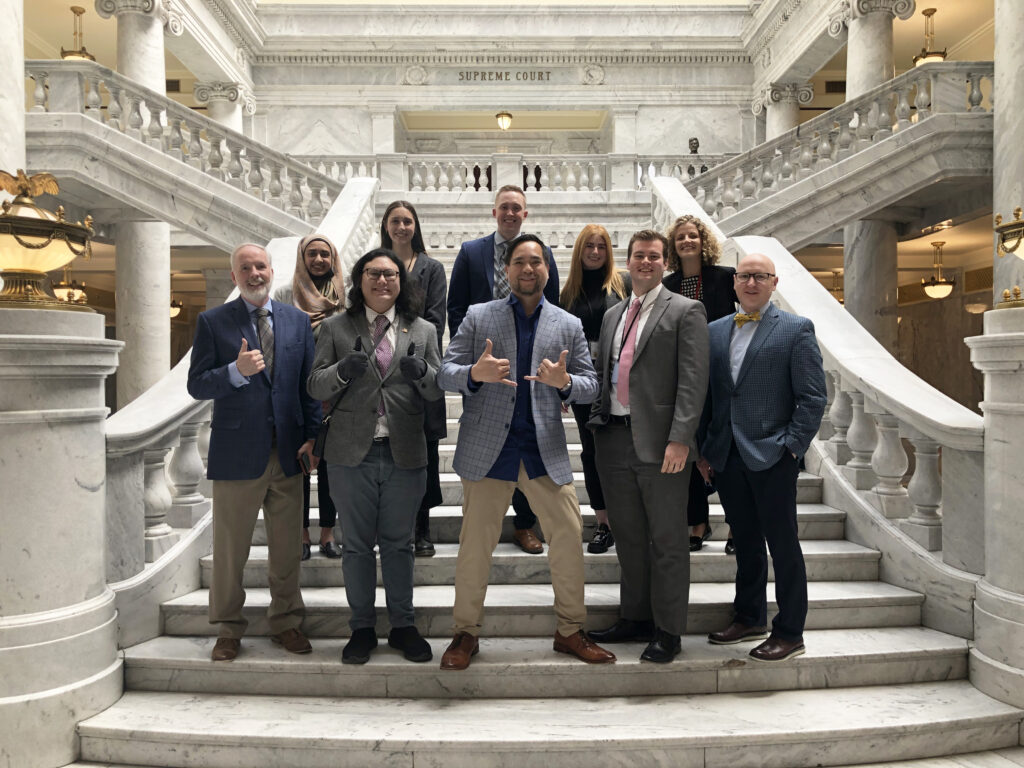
29 186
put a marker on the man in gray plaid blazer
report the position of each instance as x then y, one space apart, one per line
766 397
516 361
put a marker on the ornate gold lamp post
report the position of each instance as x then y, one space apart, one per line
1009 235
34 241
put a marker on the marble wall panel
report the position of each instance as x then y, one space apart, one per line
666 130
311 130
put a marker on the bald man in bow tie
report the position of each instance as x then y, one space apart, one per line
766 397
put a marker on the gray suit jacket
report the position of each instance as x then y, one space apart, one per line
354 420
779 396
487 413
668 378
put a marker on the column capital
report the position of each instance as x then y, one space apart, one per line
845 11
776 93
236 93
164 10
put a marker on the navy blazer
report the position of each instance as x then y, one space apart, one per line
472 280
778 399
246 419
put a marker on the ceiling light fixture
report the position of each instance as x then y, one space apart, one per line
927 53
78 52
176 307
504 120
68 290
937 286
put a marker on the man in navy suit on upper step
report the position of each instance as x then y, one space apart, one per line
478 276
766 397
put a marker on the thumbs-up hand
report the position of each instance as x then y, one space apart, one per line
490 369
250 361
354 364
552 374
413 368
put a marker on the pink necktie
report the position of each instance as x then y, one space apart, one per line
383 352
626 353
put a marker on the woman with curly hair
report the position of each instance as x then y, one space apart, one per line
693 253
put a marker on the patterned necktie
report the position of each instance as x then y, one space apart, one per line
383 353
626 353
266 333
501 284
742 318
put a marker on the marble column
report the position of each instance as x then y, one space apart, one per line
870 278
1008 114
869 44
226 102
623 155
142 297
59 660
382 128
781 104
12 87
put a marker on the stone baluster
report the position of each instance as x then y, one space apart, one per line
155 129
556 179
766 177
176 146
431 185
729 206
156 499
925 493
583 182
316 205
805 159
748 187
974 97
443 183
195 146
666 169
115 108
186 472
462 177
214 158
235 169
923 97
786 170
344 172
39 90
296 200
862 439
824 148
889 463
863 135
644 175
93 100
710 205
903 107
596 177
275 188
570 177
840 415
883 118
845 145
255 177
135 122
416 182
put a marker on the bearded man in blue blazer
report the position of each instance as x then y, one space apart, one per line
766 397
478 276
252 357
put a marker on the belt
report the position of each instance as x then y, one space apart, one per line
623 420
379 440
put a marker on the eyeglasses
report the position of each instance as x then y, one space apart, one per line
759 277
377 274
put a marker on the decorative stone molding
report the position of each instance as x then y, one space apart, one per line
169 16
233 92
593 74
844 11
839 18
484 59
799 93
783 13
415 75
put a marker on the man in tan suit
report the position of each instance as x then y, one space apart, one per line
653 367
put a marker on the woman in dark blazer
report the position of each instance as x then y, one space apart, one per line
400 232
693 253
593 285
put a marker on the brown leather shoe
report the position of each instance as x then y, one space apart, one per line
583 648
462 649
226 649
293 641
737 633
527 541
777 649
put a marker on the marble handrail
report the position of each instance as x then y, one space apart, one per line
682 167
893 106
571 173
874 400
119 102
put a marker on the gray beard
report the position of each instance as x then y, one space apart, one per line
255 296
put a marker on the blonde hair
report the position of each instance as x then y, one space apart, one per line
574 283
710 248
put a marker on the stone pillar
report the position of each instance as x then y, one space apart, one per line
142 296
870 278
869 44
781 103
12 87
226 102
59 661
382 128
1008 114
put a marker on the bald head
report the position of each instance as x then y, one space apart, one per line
755 281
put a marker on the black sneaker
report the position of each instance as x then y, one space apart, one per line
412 645
423 546
602 540
359 647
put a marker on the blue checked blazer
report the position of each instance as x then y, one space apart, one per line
487 413
778 399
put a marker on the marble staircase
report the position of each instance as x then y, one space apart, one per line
875 685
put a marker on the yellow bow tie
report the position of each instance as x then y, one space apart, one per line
742 318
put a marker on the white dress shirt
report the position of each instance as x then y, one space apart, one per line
741 338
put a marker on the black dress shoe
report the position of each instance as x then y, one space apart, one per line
624 631
307 551
410 642
331 550
602 540
697 542
662 649
359 647
730 548
423 546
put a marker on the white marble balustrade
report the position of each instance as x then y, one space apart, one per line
916 95
682 167
182 133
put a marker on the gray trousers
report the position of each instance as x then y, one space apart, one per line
377 503
647 515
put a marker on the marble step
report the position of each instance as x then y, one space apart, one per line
525 610
785 729
825 560
520 667
814 521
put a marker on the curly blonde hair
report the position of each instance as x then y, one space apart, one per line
710 248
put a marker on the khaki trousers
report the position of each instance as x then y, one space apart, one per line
484 505
236 506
